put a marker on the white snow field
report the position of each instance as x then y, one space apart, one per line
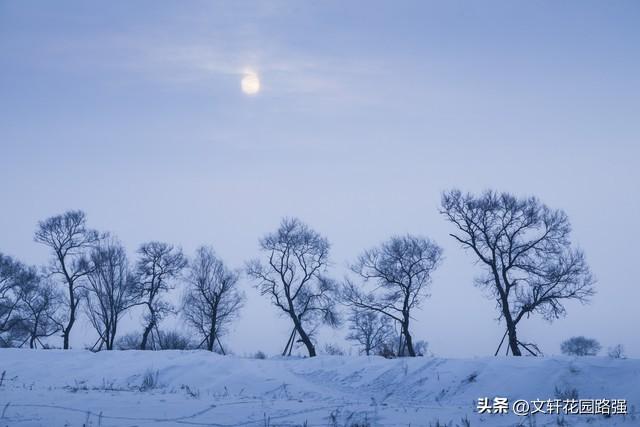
167 388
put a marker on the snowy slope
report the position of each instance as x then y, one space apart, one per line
76 388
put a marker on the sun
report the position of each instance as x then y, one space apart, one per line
250 83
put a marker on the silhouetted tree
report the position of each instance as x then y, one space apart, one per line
292 277
400 272
616 352
69 240
212 300
369 329
15 277
111 290
580 346
40 303
157 267
525 249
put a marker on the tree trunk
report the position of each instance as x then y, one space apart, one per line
212 336
513 339
506 312
145 335
212 329
67 331
407 338
304 337
34 332
111 339
511 328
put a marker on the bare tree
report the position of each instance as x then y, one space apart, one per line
530 266
69 239
40 304
616 352
400 272
580 346
158 265
370 329
14 278
292 277
8 298
212 300
111 291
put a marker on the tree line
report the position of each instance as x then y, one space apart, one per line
523 247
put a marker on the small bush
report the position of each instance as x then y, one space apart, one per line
566 393
421 348
149 380
341 418
580 346
333 350
77 386
129 342
174 340
464 422
194 393
616 352
386 350
471 378
259 355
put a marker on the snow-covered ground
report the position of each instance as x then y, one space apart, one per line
134 388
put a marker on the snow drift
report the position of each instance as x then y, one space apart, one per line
136 388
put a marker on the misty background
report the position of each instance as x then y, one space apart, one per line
367 111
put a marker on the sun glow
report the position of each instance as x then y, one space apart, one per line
250 83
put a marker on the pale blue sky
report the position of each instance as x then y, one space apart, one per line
133 112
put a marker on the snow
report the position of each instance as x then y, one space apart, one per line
80 388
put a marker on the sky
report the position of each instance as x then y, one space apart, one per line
367 111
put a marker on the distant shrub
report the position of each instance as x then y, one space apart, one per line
580 346
333 350
128 342
149 380
421 347
259 355
191 392
47 346
168 340
464 422
471 378
616 352
395 346
175 340
77 386
566 393
386 350
341 418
